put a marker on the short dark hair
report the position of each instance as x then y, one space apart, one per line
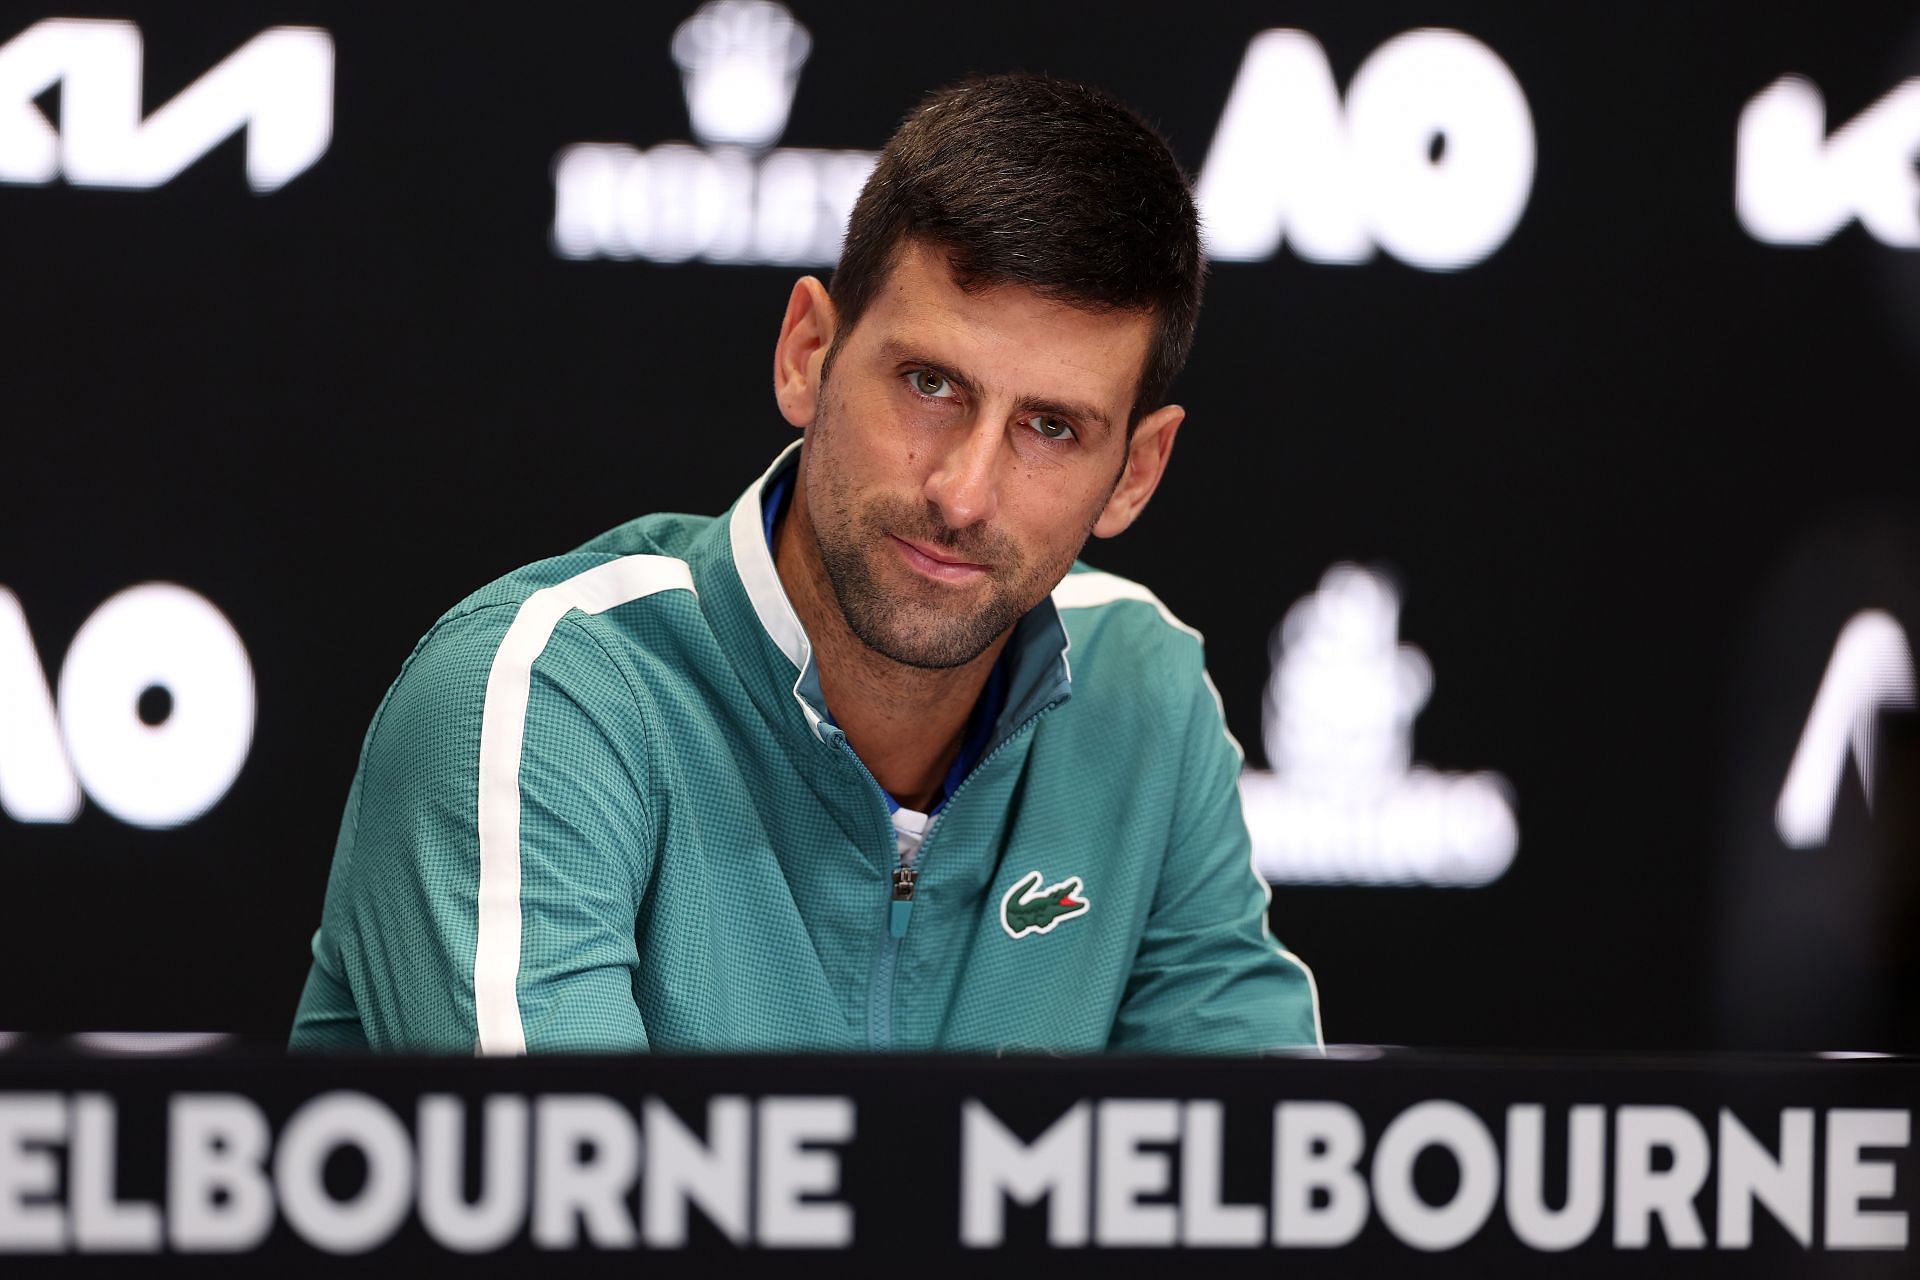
1028 180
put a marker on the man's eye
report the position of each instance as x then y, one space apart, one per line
929 383
1051 427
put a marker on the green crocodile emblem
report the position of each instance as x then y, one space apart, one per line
1030 908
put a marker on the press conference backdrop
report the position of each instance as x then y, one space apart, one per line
1550 498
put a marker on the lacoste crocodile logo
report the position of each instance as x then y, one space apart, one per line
1029 908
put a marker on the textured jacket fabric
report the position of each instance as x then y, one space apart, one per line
603 808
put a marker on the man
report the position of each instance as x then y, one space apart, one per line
818 775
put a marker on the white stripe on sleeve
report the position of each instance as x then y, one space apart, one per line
503 727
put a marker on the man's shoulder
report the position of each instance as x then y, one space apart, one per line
647 541
1133 660
1120 617
644 558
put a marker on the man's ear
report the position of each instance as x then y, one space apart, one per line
1147 455
806 334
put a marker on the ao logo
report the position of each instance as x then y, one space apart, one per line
277 86
1431 158
1793 184
156 636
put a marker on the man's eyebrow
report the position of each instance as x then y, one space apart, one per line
900 353
1086 414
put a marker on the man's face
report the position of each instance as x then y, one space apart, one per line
960 452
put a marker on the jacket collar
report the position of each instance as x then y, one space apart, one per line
1037 673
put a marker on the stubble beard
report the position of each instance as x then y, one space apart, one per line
912 624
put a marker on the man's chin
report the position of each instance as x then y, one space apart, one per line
927 649
917 621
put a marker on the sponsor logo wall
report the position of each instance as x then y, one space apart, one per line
278 87
730 200
1513 398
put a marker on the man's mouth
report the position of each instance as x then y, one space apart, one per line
932 563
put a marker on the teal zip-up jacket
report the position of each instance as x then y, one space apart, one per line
603 808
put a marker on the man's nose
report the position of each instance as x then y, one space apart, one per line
965 487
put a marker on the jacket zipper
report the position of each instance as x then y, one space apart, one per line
879 1010
900 905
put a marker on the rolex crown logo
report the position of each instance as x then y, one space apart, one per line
740 64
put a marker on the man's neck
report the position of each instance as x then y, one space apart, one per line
907 724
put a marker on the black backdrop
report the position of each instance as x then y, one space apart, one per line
1632 473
